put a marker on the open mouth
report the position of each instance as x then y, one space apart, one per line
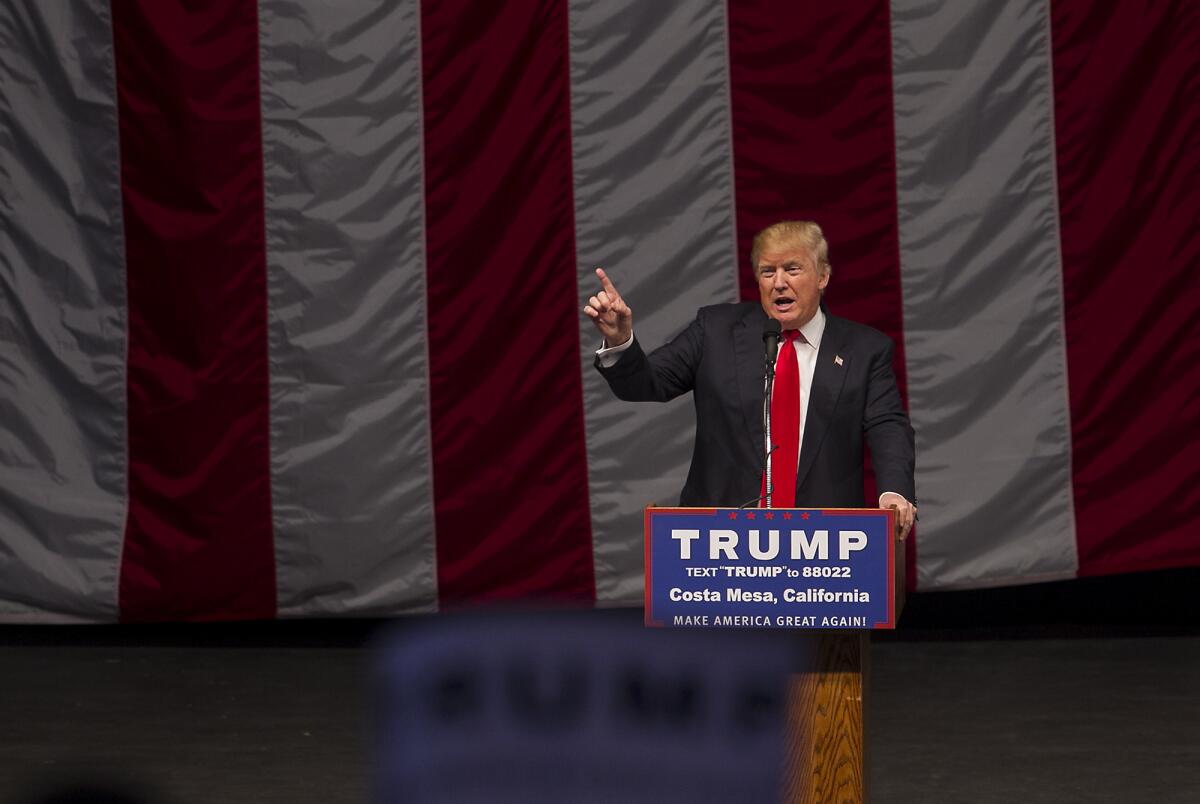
784 303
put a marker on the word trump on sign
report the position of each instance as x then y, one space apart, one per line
725 544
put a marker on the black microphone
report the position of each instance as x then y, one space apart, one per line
772 330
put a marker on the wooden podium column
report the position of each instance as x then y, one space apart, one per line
825 747
824 759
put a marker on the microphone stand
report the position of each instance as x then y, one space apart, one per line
756 499
771 336
768 386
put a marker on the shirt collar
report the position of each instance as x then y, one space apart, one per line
814 329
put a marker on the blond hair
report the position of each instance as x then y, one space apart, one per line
807 232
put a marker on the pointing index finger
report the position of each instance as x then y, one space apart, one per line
609 287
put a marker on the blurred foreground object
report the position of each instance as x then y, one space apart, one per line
579 707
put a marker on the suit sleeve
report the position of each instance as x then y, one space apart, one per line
887 429
664 374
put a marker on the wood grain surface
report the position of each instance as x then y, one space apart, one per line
824 758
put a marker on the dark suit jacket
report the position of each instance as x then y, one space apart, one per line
719 357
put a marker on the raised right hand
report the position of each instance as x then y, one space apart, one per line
610 313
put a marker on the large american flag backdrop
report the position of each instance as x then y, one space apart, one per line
291 321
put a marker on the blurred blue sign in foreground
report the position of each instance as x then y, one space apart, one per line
579 707
770 568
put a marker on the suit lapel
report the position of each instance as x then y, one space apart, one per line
748 368
833 361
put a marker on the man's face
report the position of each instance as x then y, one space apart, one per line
790 283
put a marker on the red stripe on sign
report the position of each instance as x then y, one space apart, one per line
509 459
1126 83
198 543
813 138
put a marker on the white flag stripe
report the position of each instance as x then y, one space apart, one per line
980 269
654 206
351 480
62 315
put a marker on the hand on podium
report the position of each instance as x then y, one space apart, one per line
906 512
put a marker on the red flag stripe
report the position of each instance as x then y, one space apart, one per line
509 459
198 541
813 139
1126 79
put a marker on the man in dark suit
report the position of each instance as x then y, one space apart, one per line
843 371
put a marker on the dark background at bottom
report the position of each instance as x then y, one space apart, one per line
1085 690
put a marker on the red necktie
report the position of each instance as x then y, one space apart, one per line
785 426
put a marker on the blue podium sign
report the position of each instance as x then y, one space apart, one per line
770 568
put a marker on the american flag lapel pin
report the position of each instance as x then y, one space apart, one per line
837 359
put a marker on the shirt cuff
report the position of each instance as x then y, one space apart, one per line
898 494
609 355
